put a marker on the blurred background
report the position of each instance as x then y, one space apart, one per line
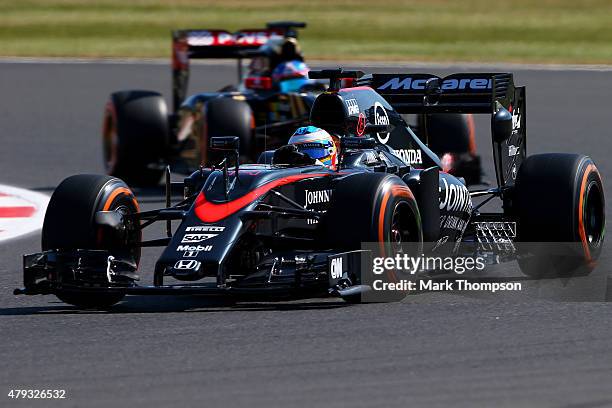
544 31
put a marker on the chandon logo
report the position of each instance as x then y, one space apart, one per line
448 84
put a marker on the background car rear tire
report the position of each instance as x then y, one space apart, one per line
69 224
135 136
372 207
559 198
230 117
452 138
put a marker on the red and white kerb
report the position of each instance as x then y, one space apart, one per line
21 211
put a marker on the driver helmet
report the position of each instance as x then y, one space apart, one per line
290 76
317 144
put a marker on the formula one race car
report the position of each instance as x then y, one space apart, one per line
274 97
140 138
288 227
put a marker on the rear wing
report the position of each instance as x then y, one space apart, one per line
491 93
219 44
457 93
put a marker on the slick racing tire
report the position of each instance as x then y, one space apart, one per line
69 224
559 198
135 136
229 117
373 207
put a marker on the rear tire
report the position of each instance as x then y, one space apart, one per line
69 224
135 136
452 138
560 198
373 207
230 117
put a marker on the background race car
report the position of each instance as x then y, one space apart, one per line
271 99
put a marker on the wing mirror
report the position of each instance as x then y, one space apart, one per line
357 143
501 125
225 143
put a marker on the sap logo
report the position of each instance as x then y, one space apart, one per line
381 118
194 248
455 197
410 156
205 228
448 84
352 106
187 264
195 238
317 197
336 268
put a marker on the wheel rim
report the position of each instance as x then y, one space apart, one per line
593 214
401 226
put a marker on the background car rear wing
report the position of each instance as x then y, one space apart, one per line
491 93
219 44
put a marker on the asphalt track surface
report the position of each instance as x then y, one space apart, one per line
549 345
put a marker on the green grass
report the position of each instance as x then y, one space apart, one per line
548 31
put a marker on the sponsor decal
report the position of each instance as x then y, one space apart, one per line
513 150
21 211
352 106
194 248
453 222
314 198
513 172
454 197
206 38
410 156
205 228
361 124
317 196
195 238
255 37
381 118
187 264
336 268
516 120
448 84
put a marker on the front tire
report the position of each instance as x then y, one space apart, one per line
69 225
373 207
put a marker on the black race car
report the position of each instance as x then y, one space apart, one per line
140 137
287 227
